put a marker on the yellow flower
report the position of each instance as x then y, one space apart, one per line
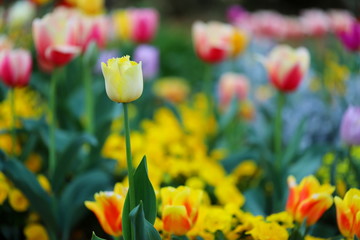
18 201
268 231
35 231
227 192
123 79
282 218
34 162
108 209
173 89
44 182
91 7
246 168
4 191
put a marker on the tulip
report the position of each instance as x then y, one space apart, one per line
149 57
350 37
173 89
350 126
20 13
232 85
108 208
55 38
316 23
286 67
212 41
239 42
236 13
309 200
15 67
340 20
143 24
180 208
91 7
91 29
123 79
268 24
121 21
348 213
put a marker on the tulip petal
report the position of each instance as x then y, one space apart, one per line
175 220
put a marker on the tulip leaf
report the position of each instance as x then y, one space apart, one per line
27 183
219 235
293 146
144 191
126 220
94 237
82 188
141 228
66 159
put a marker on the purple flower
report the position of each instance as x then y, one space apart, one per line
104 56
236 13
351 37
350 126
149 56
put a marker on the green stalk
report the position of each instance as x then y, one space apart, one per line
278 130
52 126
128 158
89 99
13 120
207 86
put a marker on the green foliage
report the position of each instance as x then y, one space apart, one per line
144 194
94 237
142 229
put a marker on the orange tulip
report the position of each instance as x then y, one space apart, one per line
309 200
180 208
348 213
108 209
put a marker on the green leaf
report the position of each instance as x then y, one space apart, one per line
173 237
293 146
296 235
26 181
94 237
66 159
144 191
141 228
82 188
126 219
219 235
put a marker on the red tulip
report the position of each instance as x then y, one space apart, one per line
287 66
55 38
15 67
212 41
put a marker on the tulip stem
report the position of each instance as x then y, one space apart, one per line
89 100
278 130
128 157
13 120
52 126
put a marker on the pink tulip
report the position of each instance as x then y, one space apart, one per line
287 66
341 20
143 24
212 41
232 85
55 38
316 23
294 28
268 24
91 29
15 67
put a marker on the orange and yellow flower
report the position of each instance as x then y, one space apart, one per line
348 213
180 208
308 200
108 209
